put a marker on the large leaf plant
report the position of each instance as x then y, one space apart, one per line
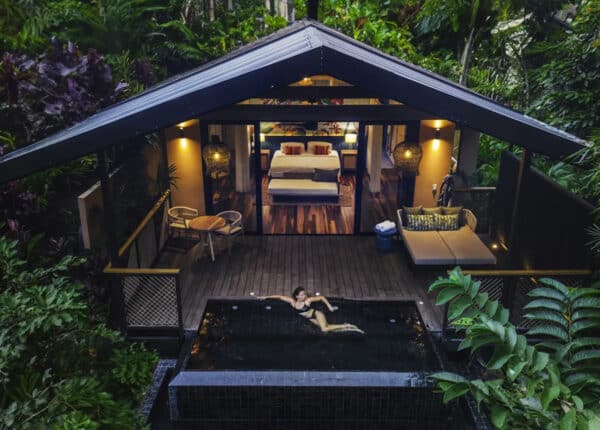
551 384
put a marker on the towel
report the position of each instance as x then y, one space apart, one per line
385 226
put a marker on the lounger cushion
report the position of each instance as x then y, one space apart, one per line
427 248
467 247
302 187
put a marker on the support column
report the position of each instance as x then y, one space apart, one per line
524 165
258 178
374 152
242 158
208 196
468 149
360 169
115 304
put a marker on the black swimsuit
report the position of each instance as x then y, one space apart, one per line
304 309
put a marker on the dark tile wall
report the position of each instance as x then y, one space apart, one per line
310 408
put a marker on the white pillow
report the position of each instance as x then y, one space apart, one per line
312 143
284 144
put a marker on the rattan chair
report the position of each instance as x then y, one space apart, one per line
178 218
234 227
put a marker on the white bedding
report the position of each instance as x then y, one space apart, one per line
301 187
305 163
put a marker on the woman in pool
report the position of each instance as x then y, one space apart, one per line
301 302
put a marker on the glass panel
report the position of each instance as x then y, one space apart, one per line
229 171
295 201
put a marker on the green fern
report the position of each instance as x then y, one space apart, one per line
552 384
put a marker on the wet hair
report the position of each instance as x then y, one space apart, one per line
297 291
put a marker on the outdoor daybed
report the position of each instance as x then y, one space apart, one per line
433 247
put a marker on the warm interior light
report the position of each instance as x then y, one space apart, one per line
216 156
407 153
494 246
350 138
183 143
436 139
262 137
437 124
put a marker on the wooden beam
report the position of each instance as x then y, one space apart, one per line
364 113
523 167
529 273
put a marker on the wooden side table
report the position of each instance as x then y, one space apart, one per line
207 224
265 155
349 159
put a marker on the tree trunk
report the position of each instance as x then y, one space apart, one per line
211 10
186 8
465 60
230 4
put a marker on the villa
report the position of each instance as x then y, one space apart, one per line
268 169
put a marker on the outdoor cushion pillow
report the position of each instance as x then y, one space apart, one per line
435 210
451 210
326 175
421 222
446 222
414 210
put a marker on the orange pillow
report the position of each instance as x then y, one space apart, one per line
321 149
288 150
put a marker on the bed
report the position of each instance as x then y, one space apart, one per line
305 172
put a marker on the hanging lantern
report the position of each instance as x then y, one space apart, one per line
216 155
407 157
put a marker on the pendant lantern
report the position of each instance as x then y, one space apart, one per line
407 156
216 155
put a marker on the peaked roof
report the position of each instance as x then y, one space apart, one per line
302 49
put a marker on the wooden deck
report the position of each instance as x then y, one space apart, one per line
336 266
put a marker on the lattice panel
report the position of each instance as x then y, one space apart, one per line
150 301
521 298
522 288
492 286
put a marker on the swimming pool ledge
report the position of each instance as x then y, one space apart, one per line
300 379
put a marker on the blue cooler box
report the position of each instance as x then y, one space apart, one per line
384 239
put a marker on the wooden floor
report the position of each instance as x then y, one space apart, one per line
338 266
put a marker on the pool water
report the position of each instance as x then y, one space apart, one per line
270 335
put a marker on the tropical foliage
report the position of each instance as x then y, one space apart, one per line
59 368
550 384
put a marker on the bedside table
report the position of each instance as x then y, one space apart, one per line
349 159
265 155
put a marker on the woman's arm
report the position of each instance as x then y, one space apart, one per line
278 297
324 300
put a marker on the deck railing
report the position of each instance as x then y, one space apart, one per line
480 200
150 298
511 288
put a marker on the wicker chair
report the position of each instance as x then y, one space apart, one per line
178 220
234 227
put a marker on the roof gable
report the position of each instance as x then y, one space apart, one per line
302 49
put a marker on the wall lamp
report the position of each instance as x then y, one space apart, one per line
436 140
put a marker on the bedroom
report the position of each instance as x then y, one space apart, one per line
278 175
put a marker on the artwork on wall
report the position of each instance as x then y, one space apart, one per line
303 128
